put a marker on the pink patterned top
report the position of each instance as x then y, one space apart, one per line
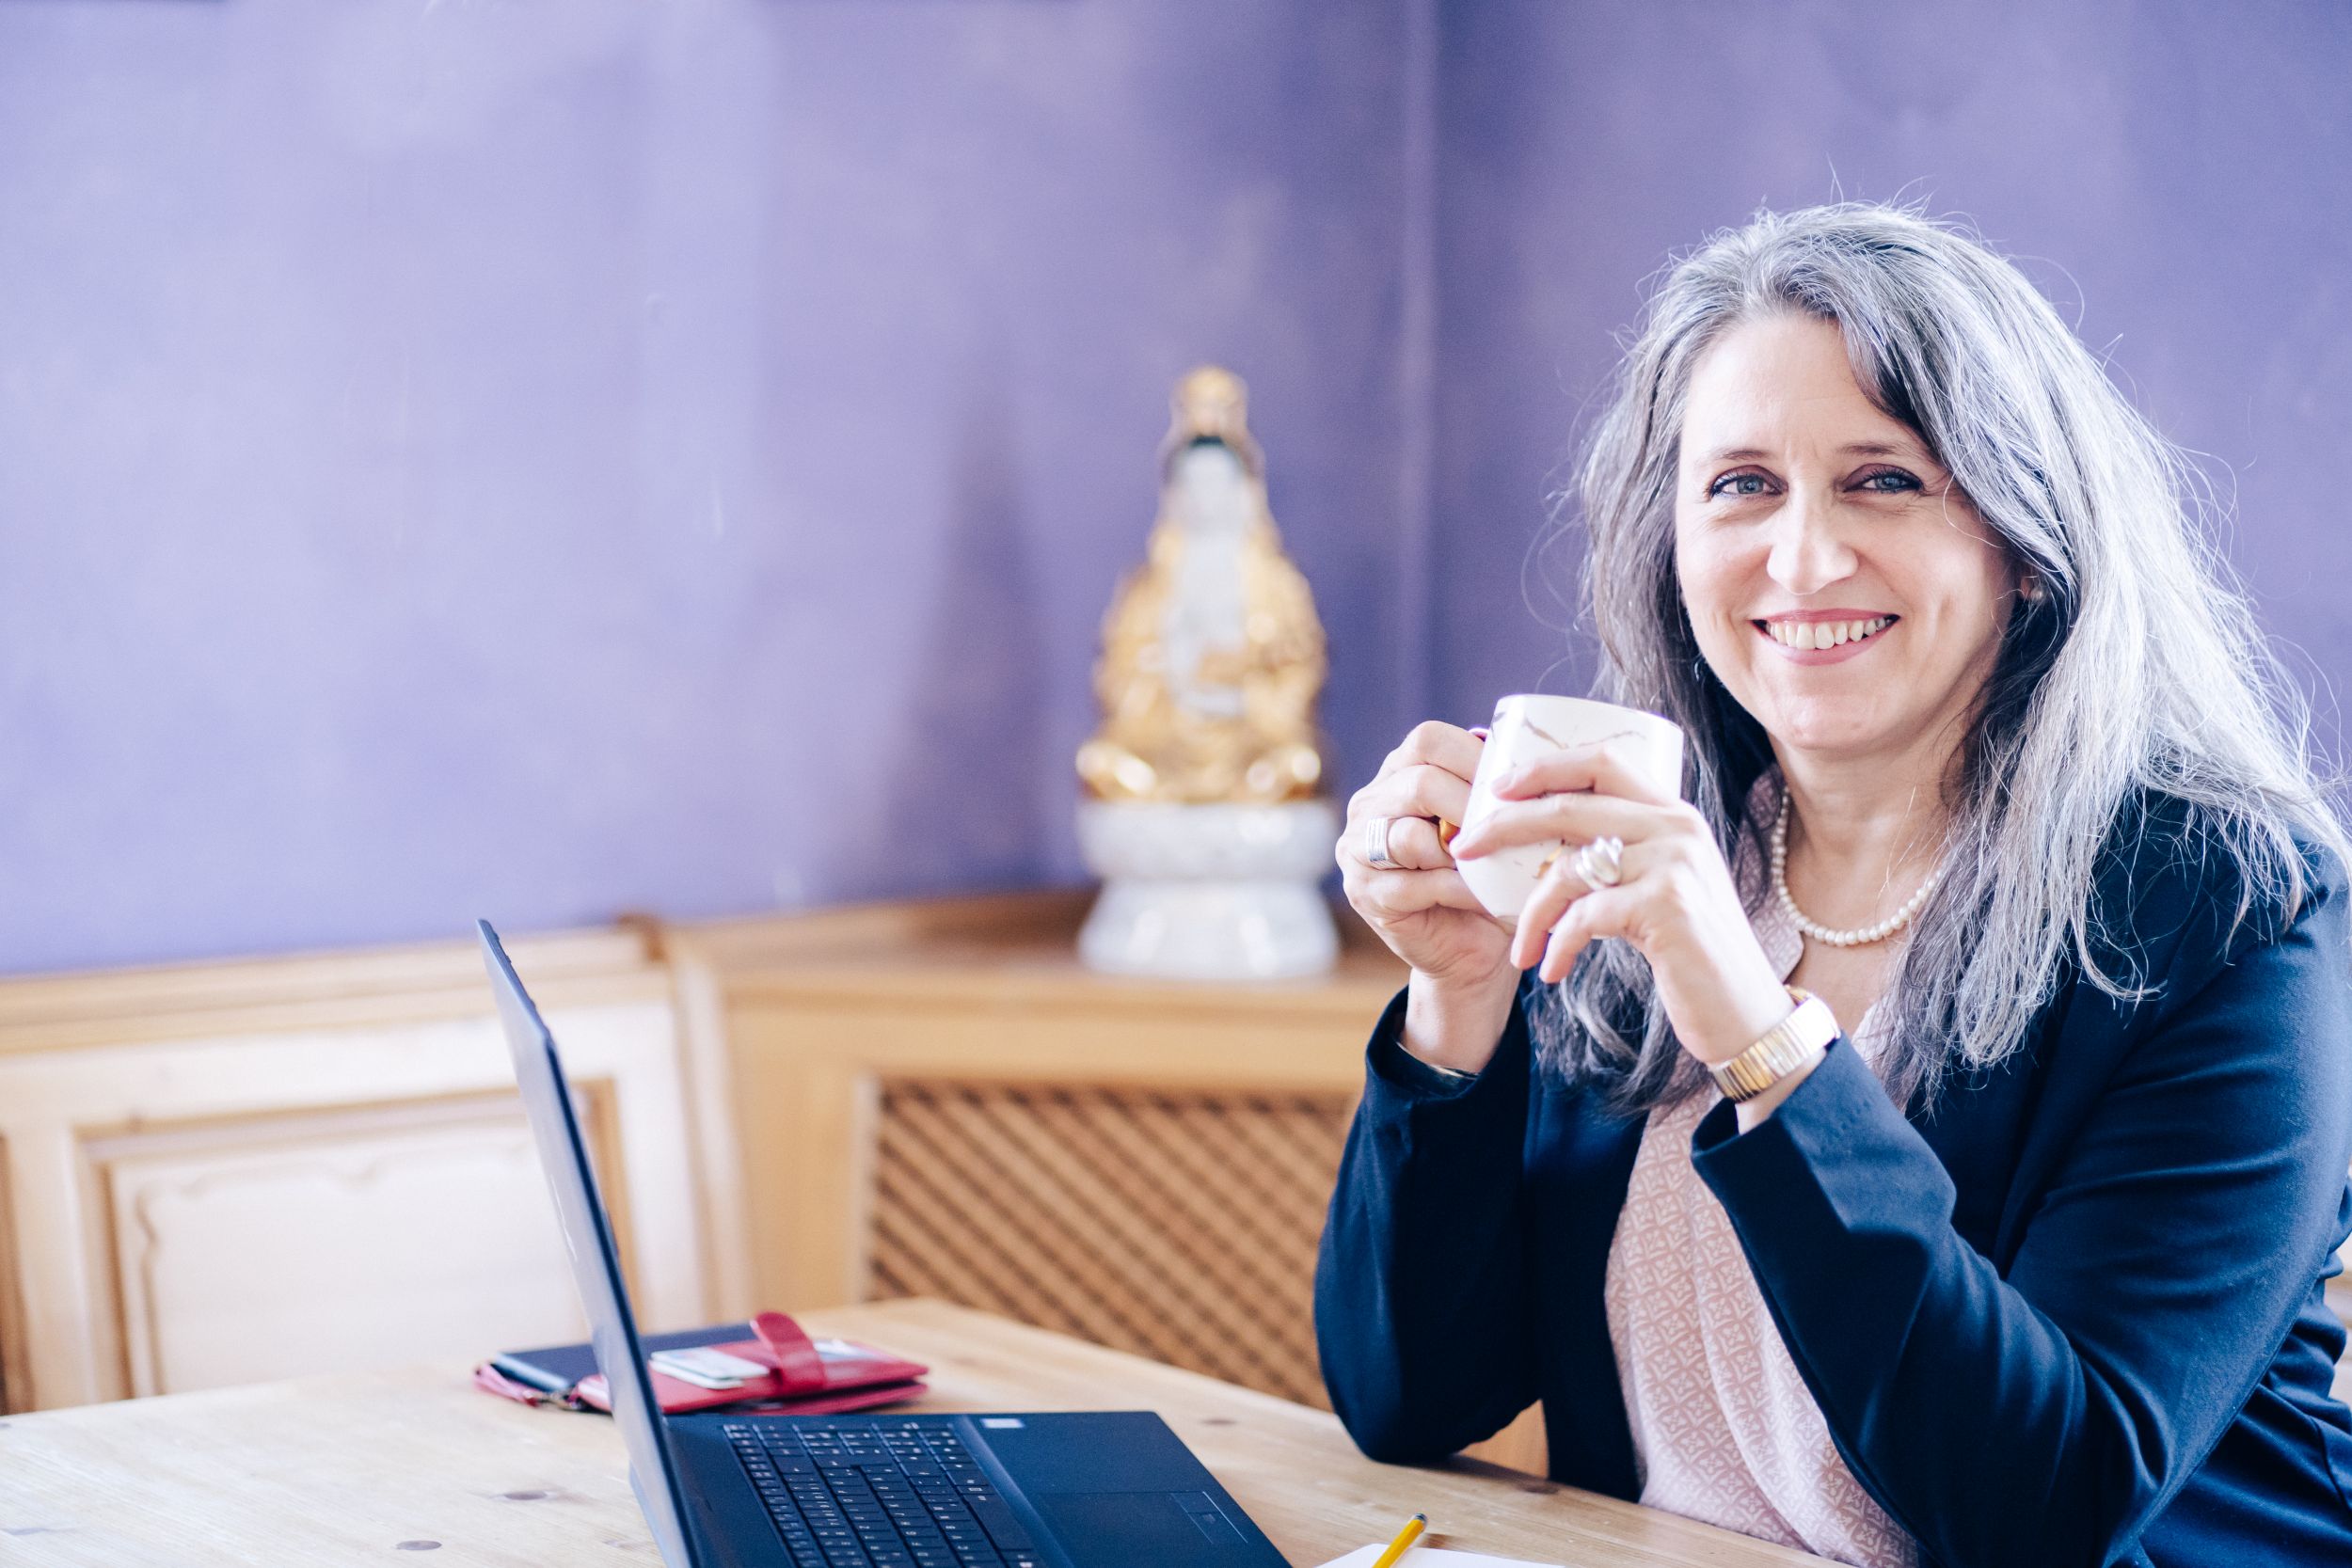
1724 1429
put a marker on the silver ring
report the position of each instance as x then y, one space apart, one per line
1377 844
1601 863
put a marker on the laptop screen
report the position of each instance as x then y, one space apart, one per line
596 1262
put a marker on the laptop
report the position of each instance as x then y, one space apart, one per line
1045 1489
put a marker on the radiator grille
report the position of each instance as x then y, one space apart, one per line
1180 1226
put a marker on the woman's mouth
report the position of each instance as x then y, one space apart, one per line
1825 641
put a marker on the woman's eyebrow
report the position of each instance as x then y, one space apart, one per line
1852 449
1729 455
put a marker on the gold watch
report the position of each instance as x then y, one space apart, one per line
1796 1041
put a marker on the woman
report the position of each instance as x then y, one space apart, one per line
2015 1256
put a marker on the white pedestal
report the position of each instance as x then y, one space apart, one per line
1209 893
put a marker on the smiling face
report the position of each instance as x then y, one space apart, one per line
1842 587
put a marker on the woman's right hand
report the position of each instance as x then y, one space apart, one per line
1463 977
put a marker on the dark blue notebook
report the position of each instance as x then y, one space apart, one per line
559 1368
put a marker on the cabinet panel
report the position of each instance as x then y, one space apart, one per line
371 1238
283 1168
15 1371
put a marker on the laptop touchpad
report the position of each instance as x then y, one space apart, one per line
1134 1530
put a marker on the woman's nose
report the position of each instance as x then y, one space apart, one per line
1807 553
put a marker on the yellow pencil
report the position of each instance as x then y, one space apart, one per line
1404 1539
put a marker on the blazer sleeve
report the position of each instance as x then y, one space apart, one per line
2048 1415
1422 1317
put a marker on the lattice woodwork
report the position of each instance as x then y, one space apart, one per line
1180 1226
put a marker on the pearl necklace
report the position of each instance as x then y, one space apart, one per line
1879 932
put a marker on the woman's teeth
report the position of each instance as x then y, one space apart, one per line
1816 635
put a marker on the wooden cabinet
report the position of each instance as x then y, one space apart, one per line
223 1173
938 1100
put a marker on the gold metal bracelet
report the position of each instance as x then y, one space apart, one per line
1796 1041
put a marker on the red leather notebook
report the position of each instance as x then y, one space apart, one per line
810 1377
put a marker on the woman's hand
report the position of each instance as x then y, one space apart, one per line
1674 901
1463 977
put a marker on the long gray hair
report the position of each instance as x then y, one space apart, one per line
2141 666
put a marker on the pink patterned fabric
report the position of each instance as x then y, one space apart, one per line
1724 1429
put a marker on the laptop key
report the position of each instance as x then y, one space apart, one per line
789 1526
997 1517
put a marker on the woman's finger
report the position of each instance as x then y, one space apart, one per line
1393 844
1577 818
1423 789
1610 767
1440 745
1410 842
1608 911
1555 897
1396 894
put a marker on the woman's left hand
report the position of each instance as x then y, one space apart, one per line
1674 901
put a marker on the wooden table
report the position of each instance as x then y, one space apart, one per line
349 1469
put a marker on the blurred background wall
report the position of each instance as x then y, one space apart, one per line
2177 177
555 457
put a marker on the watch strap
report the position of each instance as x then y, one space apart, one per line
1796 1041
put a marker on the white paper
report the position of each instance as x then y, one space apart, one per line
1429 1557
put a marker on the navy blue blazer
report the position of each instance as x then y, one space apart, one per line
2070 1314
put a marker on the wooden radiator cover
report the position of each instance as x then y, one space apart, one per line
1179 1224
936 1099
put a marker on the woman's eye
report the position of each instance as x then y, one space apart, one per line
1888 482
1738 485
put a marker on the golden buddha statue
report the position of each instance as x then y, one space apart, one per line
1212 655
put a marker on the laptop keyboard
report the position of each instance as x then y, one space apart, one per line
893 1492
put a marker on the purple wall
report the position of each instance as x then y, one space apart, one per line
545 460
2181 176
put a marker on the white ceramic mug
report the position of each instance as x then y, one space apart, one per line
1528 726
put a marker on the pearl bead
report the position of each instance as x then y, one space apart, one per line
1879 932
